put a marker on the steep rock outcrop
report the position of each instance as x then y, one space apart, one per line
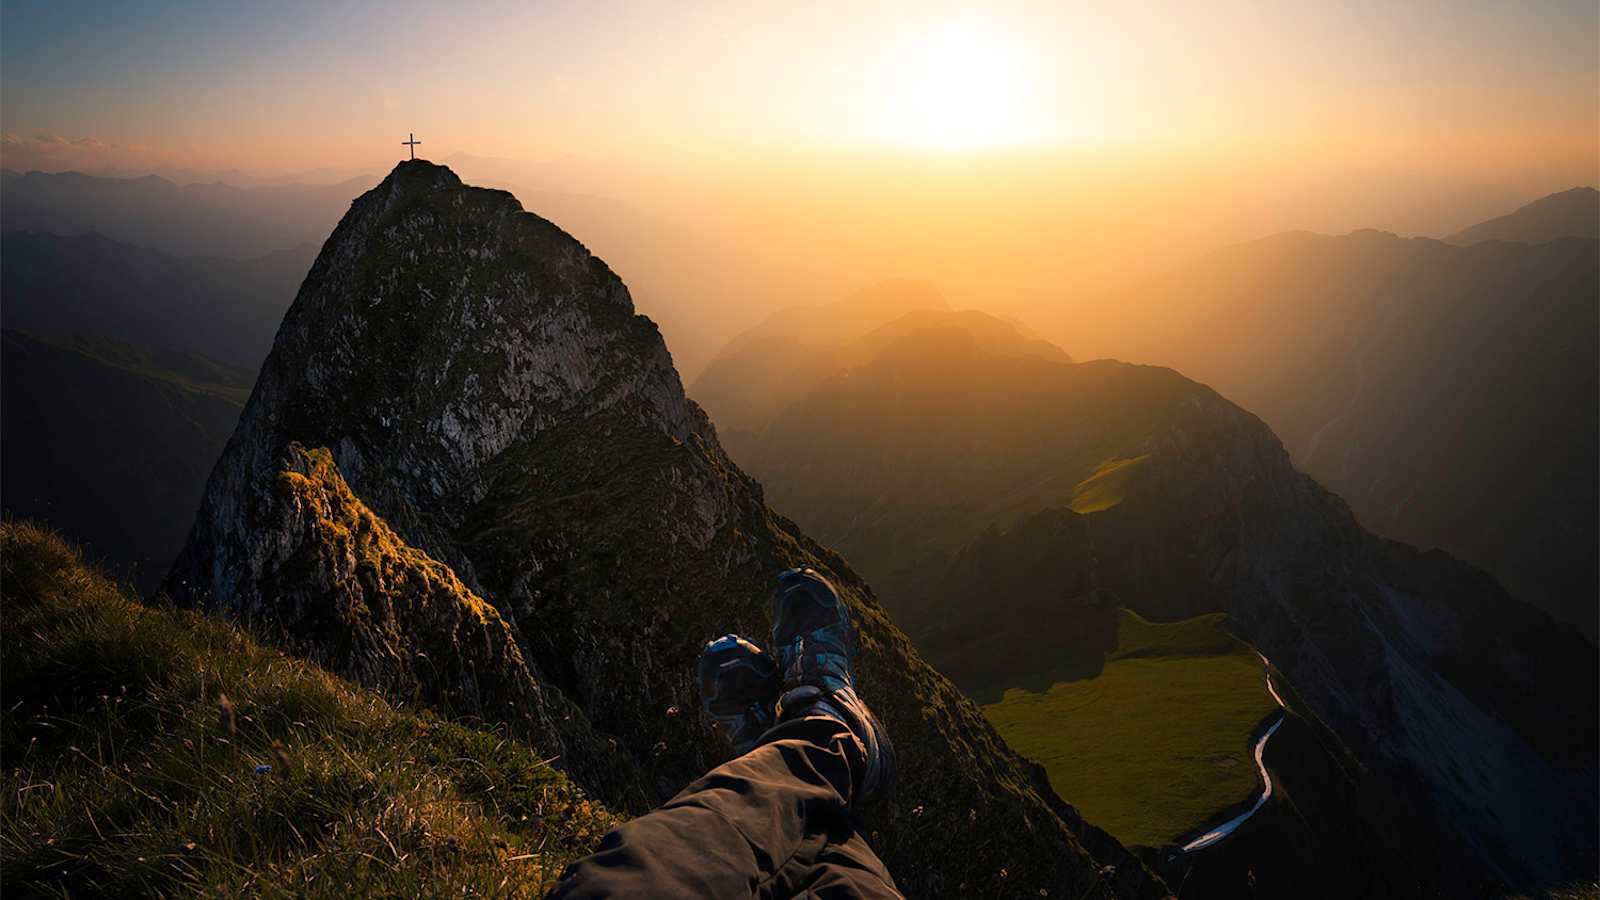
482 384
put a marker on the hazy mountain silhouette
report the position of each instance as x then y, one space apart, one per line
765 368
111 444
182 175
986 496
91 285
1450 394
188 220
1573 213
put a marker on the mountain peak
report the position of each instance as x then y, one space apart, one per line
423 174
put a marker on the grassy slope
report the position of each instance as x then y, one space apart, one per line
1002 438
187 371
1159 741
121 777
1108 486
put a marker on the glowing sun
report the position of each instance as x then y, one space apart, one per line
961 87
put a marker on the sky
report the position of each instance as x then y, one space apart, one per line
289 85
749 156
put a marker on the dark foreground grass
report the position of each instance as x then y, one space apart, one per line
1158 742
1588 891
130 740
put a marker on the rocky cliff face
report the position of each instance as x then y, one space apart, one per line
511 471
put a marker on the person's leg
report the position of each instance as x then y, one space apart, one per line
777 821
846 868
750 827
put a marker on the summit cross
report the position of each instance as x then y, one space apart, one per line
412 143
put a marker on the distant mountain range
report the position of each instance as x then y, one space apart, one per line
765 368
1450 393
242 222
1574 213
92 285
111 445
125 369
188 220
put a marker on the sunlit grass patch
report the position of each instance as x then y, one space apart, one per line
1107 487
1159 741
136 742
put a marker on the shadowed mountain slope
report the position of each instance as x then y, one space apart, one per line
937 439
482 385
111 444
226 309
1138 486
763 385
737 386
1450 394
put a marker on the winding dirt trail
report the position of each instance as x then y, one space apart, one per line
1221 832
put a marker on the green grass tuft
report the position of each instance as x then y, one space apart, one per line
1158 742
123 775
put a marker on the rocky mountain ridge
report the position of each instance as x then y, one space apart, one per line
482 385
1450 394
737 386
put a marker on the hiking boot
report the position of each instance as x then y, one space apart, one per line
738 687
816 648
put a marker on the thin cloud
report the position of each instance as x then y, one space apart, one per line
48 151
44 140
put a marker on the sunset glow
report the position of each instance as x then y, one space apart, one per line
962 87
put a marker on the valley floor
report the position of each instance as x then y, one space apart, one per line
1159 742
